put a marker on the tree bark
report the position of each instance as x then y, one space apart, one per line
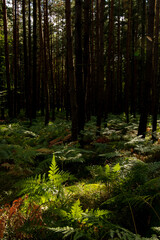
7 60
15 68
155 74
128 62
78 65
86 59
46 60
148 72
25 59
72 87
100 56
34 79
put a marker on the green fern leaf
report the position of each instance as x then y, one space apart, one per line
107 169
54 174
76 211
66 231
116 168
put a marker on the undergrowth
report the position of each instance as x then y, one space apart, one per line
54 188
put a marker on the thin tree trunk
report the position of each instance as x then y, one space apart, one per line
46 59
142 77
34 79
25 59
155 73
29 62
119 65
149 71
100 79
7 60
15 54
86 60
78 64
110 68
72 87
92 68
128 62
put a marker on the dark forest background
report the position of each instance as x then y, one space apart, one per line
88 58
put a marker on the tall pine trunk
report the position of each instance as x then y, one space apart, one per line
146 98
72 87
7 60
34 77
29 62
86 59
100 59
119 64
128 62
155 73
25 59
78 65
15 67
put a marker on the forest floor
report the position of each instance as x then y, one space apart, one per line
51 187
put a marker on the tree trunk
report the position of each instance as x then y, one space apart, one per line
93 65
128 62
149 71
34 79
155 74
46 59
27 87
110 67
29 62
100 56
7 60
86 60
15 68
78 65
72 87
119 65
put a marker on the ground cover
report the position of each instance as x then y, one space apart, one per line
102 187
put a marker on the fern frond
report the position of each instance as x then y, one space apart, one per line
66 231
76 211
56 176
110 155
54 173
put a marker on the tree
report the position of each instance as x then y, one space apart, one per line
155 72
100 62
29 61
15 53
34 78
27 87
72 87
7 59
128 61
78 65
110 94
46 62
119 64
148 72
86 59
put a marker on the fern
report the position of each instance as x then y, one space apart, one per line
56 176
108 175
110 155
76 211
66 231
68 154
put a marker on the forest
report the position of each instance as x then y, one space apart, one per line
79 119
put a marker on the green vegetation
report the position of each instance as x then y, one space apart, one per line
53 188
